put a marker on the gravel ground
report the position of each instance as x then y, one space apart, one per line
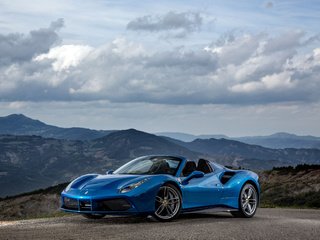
267 224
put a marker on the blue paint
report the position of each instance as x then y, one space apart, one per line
201 192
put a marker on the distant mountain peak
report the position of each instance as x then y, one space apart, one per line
19 124
18 116
132 130
128 133
21 120
283 134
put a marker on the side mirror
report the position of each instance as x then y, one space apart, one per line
194 174
109 172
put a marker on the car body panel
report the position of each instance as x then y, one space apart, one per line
89 191
201 192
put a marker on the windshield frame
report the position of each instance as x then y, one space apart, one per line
136 160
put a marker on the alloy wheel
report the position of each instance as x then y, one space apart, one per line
168 203
249 200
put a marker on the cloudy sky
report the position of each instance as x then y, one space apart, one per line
231 67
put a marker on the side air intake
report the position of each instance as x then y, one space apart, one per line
226 177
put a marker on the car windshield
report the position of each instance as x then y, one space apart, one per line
150 165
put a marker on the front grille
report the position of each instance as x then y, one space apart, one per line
118 204
113 205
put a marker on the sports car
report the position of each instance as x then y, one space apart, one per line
164 187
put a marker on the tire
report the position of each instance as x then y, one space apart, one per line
248 202
168 203
93 216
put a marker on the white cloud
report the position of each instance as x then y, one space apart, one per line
274 82
237 69
17 105
247 87
65 56
278 81
127 49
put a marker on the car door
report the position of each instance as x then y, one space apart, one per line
202 192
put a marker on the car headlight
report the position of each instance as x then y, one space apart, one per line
133 186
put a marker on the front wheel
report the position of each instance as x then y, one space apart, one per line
93 216
248 202
167 203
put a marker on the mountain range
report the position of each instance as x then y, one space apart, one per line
277 140
282 140
34 155
239 154
19 124
32 162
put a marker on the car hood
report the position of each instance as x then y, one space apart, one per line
107 181
103 184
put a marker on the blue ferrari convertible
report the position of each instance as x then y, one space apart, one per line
163 186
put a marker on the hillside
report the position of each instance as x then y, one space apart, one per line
32 162
291 187
18 124
40 203
29 162
281 187
132 143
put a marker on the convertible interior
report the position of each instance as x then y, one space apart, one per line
202 166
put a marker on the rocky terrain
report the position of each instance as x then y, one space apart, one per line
37 204
291 187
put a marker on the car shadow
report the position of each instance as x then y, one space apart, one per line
150 219
199 215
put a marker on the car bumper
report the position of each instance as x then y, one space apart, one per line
109 206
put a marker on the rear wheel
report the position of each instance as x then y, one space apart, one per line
93 216
167 203
248 202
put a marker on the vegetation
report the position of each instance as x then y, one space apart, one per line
291 187
50 190
37 204
300 167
